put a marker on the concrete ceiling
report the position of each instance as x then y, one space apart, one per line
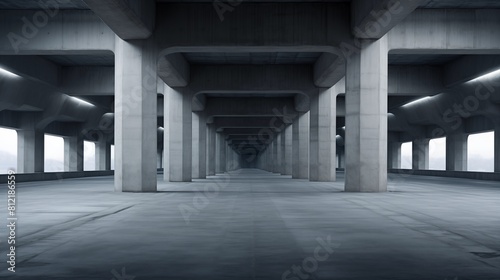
421 59
82 60
462 4
253 58
40 4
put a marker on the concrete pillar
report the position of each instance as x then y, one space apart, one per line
180 134
282 151
73 153
420 154
199 146
322 141
276 164
102 155
135 116
456 152
341 158
221 154
497 148
211 148
300 147
366 118
159 158
394 155
288 150
30 151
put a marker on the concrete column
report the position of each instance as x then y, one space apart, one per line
300 147
282 151
221 154
394 155
180 134
497 148
323 127
276 163
135 116
366 118
341 158
30 151
420 154
73 153
456 152
102 155
211 146
288 150
199 146
159 158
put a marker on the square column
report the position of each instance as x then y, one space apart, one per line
341 158
300 147
211 147
30 151
288 150
456 152
323 128
199 146
366 118
135 116
73 153
276 164
497 148
180 133
102 155
394 155
420 154
220 166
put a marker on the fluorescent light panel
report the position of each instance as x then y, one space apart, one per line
7 73
414 102
82 101
491 75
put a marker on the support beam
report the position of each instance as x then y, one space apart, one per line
394 155
180 134
129 19
372 19
322 141
420 154
211 146
199 146
135 117
456 152
73 153
30 151
102 155
366 120
300 146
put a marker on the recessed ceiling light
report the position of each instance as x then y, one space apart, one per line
491 75
418 101
82 101
8 73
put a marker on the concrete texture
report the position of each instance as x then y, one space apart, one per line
252 224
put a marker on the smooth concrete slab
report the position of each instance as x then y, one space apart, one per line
252 224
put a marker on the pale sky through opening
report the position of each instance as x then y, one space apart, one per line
480 153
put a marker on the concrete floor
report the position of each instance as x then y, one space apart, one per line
257 225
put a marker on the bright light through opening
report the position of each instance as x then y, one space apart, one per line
491 75
82 101
407 155
7 73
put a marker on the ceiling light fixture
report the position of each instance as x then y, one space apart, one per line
491 75
82 101
7 73
415 102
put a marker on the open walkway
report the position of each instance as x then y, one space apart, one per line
251 224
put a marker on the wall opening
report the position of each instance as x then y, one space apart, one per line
406 155
437 154
8 150
88 156
480 152
53 153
